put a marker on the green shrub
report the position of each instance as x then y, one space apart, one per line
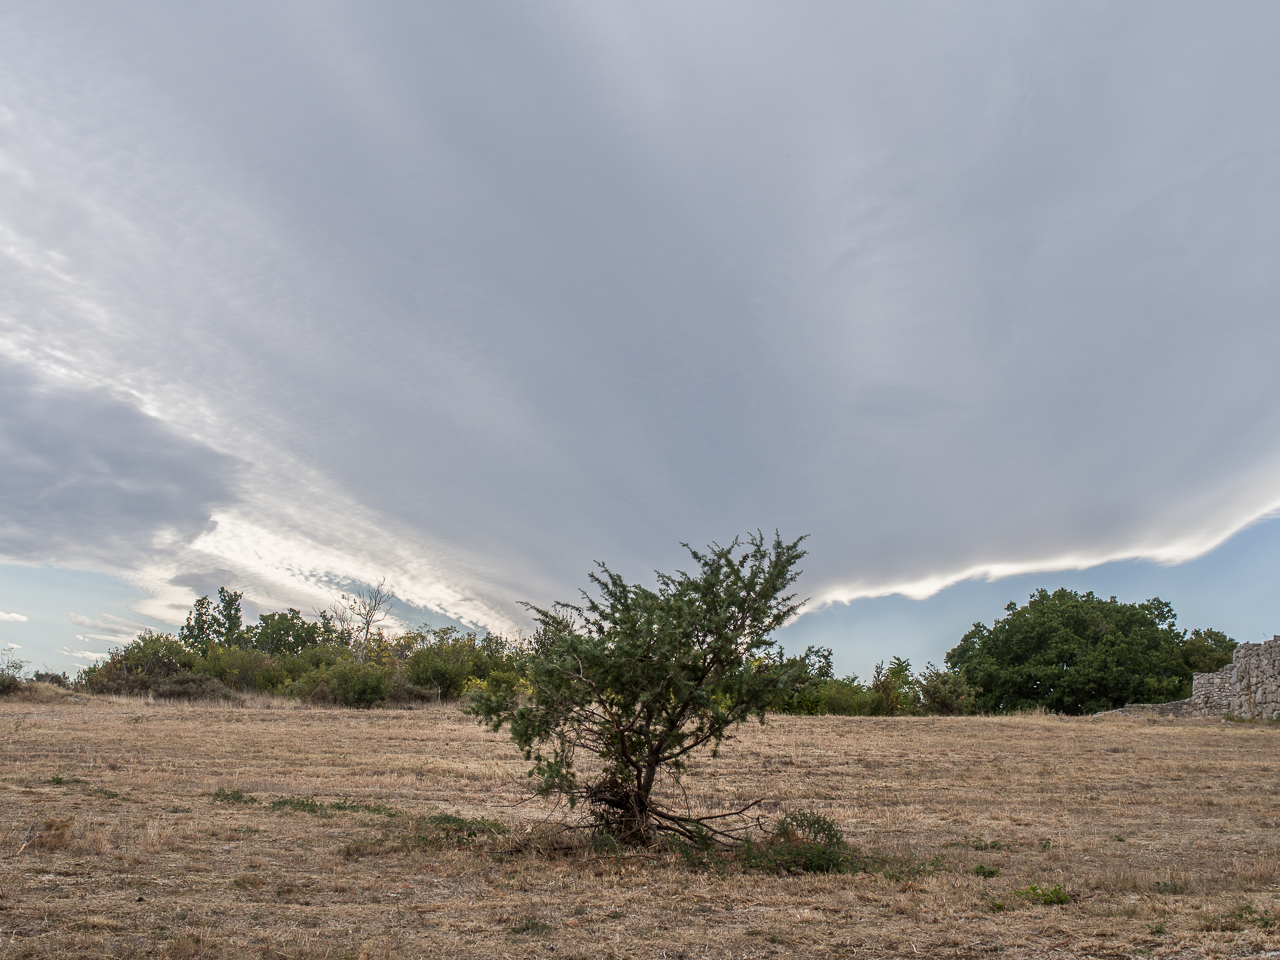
801 842
346 683
51 678
154 663
242 669
400 690
846 698
442 660
193 686
11 671
311 659
947 693
1049 896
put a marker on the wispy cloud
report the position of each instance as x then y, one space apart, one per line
83 657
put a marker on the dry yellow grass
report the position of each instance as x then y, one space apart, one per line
111 844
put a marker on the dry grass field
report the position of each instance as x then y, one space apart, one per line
1164 835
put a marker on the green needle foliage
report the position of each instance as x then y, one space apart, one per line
641 678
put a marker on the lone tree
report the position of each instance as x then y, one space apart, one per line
639 679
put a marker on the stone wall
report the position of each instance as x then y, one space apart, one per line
1249 686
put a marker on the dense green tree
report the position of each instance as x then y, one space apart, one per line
1207 651
286 633
209 623
639 679
1079 653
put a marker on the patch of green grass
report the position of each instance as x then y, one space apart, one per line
223 795
354 806
461 830
977 843
318 808
530 924
986 873
901 868
1049 896
301 805
1155 928
1240 918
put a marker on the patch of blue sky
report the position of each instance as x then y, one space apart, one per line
73 616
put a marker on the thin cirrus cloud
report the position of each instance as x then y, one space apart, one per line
303 296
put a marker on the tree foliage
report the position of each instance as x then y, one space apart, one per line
640 678
1079 653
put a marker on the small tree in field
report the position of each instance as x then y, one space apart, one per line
639 679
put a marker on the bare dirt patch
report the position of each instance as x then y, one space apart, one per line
1164 838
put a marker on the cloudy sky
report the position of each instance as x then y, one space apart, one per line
296 296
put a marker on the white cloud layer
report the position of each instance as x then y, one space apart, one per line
12 617
294 297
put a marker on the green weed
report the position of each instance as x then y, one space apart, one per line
531 924
301 805
223 795
1049 896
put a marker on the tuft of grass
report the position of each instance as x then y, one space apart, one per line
223 795
986 873
52 834
530 924
355 806
1049 896
461 830
301 805
319 809
1238 919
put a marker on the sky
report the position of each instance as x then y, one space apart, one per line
296 297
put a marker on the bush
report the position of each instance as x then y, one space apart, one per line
801 842
314 658
241 669
136 668
53 679
443 660
11 670
346 683
947 693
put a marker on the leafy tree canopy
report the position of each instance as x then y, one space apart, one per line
1078 653
639 679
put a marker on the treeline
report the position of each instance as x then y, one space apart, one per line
340 658
1063 651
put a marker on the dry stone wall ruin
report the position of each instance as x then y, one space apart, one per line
1249 686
